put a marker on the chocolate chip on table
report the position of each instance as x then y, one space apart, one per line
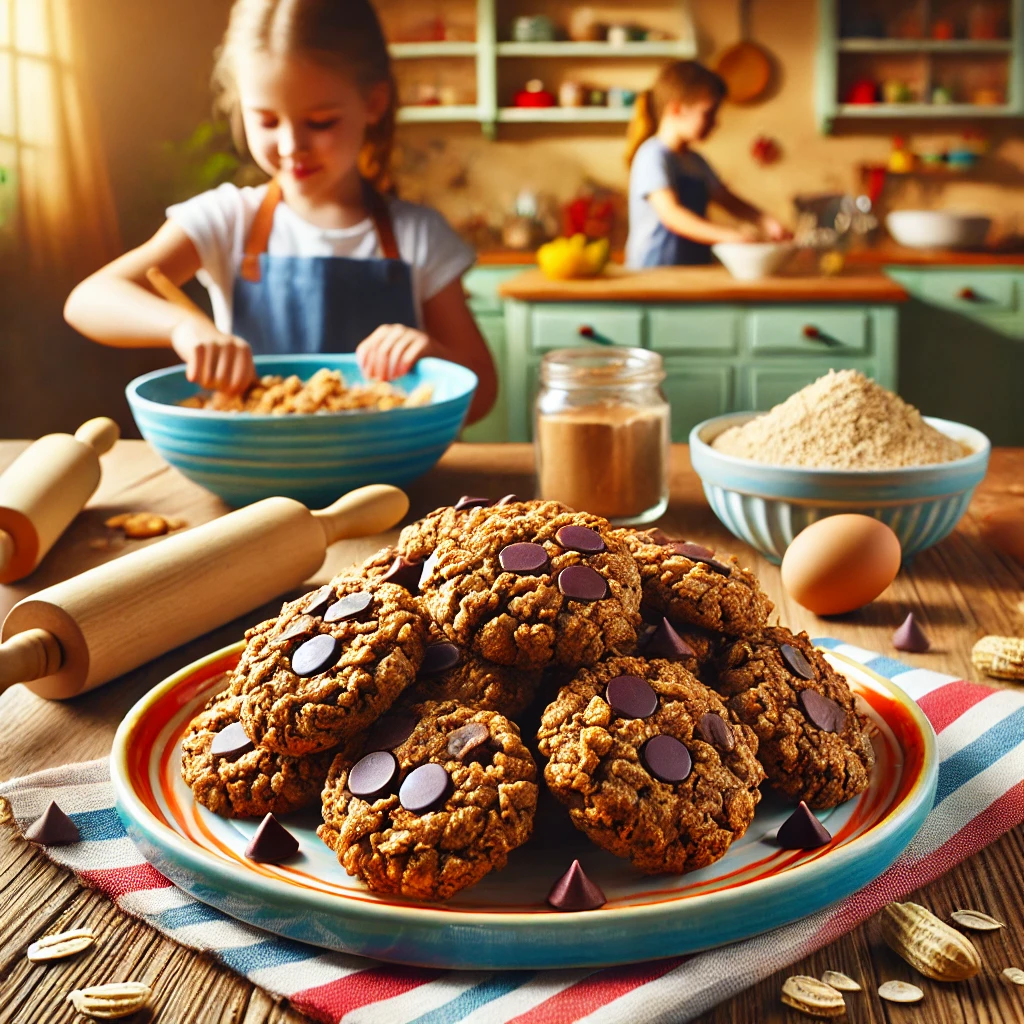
580 538
802 831
666 758
318 602
910 637
798 664
373 775
352 606
439 658
391 731
302 626
315 655
467 502
631 697
695 552
404 574
665 642
52 828
271 843
467 738
574 891
581 583
424 788
231 743
715 730
525 559
826 714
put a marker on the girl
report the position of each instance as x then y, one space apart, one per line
669 184
318 259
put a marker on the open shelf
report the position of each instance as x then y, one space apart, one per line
419 114
924 45
412 51
679 48
564 115
926 110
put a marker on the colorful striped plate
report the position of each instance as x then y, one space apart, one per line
504 922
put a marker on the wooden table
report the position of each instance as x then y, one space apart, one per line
959 590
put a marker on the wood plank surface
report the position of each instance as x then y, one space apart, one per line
704 284
958 590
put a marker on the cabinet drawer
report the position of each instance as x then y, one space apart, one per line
970 292
559 326
696 393
767 386
816 329
481 284
693 329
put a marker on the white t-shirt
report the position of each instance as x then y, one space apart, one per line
218 221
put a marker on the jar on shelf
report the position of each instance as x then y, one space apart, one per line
602 432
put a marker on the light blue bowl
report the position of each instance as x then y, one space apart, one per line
767 506
246 457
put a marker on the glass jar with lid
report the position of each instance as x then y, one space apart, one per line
602 432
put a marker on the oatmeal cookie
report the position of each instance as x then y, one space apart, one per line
694 585
330 664
650 766
532 586
238 780
812 740
438 811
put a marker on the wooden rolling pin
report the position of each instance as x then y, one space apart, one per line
45 487
94 627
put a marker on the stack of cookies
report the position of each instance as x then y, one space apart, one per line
395 695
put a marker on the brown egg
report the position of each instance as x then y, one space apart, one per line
840 563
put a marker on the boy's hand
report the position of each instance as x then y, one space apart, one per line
774 229
393 350
213 360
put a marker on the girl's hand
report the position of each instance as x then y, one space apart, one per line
213 360
774 229
393 350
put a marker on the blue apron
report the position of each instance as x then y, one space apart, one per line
285 304
668 248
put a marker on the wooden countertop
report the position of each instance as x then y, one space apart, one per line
704 284
897 255
960 590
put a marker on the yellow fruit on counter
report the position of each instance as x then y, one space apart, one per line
567 258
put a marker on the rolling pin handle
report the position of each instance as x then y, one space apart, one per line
100 434
31 655
6 550
362 512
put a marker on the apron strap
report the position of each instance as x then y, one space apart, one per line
259 232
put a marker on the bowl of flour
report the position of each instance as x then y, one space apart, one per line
842 444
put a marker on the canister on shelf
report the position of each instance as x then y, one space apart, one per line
602 430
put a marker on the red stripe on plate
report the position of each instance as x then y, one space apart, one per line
596 990
116 882
946 704
332 1001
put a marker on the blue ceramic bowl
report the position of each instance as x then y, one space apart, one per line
767 506
245 457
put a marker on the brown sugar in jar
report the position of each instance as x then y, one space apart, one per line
602 432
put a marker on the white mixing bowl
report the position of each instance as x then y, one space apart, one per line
749 261
938 229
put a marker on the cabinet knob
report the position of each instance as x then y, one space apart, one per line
967 294
812 332
586 331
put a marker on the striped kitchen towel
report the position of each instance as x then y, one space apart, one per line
980 795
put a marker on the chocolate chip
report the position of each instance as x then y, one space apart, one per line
439 658
467 738
319 601
910 637
391 731
424 788
509 499
581 583
302 626
826 714
271 843
631 697
667 643
373 775
404 574
466 502
802 831
720 567
231 743
580 538
52 828
715 730
796 661
315 656
666 758
659 537
695 552
426 569
574 891
525 559
352 606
